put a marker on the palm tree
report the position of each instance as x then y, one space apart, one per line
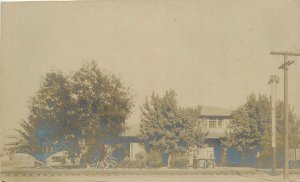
22 143
26 142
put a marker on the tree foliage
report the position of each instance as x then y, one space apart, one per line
102 104
43 131
250 129
244 132
88 105
193 115
294 135
166 126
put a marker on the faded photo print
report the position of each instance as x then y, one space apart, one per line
141 91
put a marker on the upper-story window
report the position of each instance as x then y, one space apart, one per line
220 123
212 124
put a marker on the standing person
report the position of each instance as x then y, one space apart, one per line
169 161
257 159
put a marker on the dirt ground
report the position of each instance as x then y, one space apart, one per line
153 178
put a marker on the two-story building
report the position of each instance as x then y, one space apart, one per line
215 120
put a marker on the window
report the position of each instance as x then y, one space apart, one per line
219 123
212 124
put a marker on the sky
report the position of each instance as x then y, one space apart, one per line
211 52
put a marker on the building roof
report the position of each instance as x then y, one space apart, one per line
214 111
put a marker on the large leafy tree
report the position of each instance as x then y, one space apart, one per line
244 133
165 126
88 105
193 115
45 129
250 129
101 106
294 135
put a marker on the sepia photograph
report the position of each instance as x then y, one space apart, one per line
150 90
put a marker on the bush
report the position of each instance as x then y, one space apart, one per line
136 164
143 160
179 162
140 156
153 160
128 163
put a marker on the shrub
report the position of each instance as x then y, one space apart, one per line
140 156
128 163
179 162
124 163
153 160
142 160
136 164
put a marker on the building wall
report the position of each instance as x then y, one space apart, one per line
134 149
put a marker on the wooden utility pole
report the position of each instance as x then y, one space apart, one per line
274 80
284 66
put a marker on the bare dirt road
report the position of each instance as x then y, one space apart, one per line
152 178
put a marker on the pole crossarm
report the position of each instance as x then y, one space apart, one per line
283 66
287 53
